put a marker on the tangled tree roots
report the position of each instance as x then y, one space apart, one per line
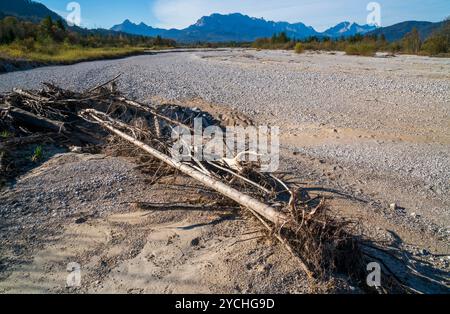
327 244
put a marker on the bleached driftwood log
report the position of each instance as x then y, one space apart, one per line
262 209
259 209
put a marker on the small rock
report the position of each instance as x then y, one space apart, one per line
81 220
424 252
76 149
195 242
393 206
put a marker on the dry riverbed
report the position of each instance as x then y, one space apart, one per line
365 132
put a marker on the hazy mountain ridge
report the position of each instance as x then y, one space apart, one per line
348 29
26 9
35 12
239 27
230 27
398 31
137 29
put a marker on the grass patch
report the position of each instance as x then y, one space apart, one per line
62 53
5 134
38 154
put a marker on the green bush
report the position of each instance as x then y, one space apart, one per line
352 50
277 41
299 48
28 44
411 43
47 46
361 49
436 45
395 47
439 42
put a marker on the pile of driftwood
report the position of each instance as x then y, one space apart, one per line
322 244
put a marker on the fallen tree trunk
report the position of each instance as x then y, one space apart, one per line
262 209
33 120
259 209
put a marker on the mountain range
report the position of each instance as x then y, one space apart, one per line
221 28
26 9
239 27
398 31
36 12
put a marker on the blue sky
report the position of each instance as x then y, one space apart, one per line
320 14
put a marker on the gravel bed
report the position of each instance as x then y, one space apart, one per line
404 96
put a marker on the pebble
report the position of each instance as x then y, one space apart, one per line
195 242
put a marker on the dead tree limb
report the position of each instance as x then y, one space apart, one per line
241 177
29 95
264 210
144 108
104 84
33 120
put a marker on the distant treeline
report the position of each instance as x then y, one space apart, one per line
54 42
38 40
48 32
438 44
210 45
